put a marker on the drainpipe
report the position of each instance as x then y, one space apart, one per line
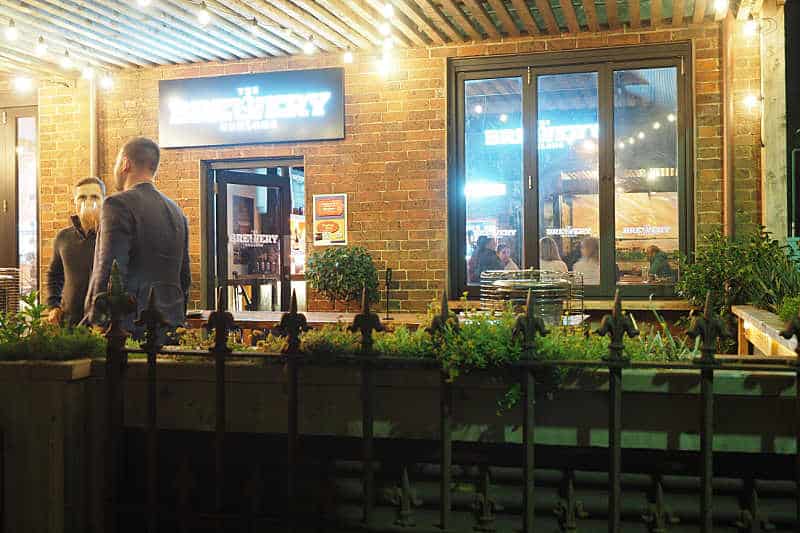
728 178
92 127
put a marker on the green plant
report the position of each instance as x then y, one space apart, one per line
789 308
199 339
404 343
341 273
329 340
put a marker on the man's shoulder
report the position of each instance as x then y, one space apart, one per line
65 234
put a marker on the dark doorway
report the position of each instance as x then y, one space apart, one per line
792 15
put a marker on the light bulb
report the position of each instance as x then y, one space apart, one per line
388 43
751 101
203 16
385 66
671 117
144 3
385 29
720 6
66 61
88 73
106 83
631 141
388 10
656 125
621 145
23 84
348 57
254 26
41 47
503 118
12 33
308 47
478 109
750 27
640 135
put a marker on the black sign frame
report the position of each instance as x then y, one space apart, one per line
303 89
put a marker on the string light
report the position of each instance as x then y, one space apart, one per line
66 61
671 117
751 101
640 135
88 73
631 141
308 46
287 32
478 109
348 56
144 3
656 125
388 10
41 47
385 29
388 44
23 84
12 33
750 26
254 29
503 118
621 145
106 83
203 16
720 6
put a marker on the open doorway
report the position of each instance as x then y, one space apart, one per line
255 233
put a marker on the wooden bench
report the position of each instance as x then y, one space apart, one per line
761 329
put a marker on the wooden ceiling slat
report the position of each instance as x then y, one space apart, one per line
634 14
374 17
419 19
364 28
433 12
21 65
524 13
157 37
611 14
591 15
31 30
450 7
699 11
300 23
222 20
568 11
677 12
332 22
506 22
271 33
655 13
546 11
401 23
479 14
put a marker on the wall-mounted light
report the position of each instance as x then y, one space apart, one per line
752 101
106 83
750 26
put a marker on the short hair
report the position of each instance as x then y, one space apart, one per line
143 153
90 180
502 247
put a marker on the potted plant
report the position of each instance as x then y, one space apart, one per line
341 274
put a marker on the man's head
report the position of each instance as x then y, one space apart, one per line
137 161
504 253
651 251
88 194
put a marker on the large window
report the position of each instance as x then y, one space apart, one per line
572 162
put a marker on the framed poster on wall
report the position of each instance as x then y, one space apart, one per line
330 219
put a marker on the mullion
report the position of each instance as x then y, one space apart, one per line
605 116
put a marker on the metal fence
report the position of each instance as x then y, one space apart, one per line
616 325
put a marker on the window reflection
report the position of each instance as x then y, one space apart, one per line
27 186
493 175
568 185
646 176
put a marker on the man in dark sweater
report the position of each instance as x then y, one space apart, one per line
147 234
73 253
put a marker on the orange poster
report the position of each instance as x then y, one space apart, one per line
330 219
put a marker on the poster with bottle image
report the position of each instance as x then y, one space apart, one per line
330 219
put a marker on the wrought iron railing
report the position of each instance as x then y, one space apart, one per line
615 325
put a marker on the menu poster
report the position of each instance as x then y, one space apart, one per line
330 219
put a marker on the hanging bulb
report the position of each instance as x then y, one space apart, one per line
12 33
88 73
66 61
388 10
144 3
388 44
106 83
308 47
720 7
23 84
348 57
203 16
750 26
41 47
385 29
254 29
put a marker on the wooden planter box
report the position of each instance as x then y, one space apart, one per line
760 329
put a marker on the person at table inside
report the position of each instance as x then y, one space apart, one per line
589 263
483 258
659 263
504 253
147 234
73 253
550 257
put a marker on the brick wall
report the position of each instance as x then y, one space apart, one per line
392 163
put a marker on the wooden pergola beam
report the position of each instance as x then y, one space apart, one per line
591 15
634 14
435 14
570 17
655 13
525 15
344 12
332 22
419 19
253 20
293 19
466 25
611 14
374 17
677 12
231 25
504 16
401 23
479 14
699 11
546 11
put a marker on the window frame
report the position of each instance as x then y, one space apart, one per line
604 61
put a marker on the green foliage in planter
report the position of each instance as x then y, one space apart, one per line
753 269
789 308
24 335
329 340
403 342
200 339
341 273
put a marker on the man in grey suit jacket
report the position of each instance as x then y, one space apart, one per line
147 234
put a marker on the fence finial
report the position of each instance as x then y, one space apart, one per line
366 322
616 326
115 303
152 319
292 324
221 322
528 326
709 327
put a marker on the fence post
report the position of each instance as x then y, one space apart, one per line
616 326
292 324
116 304
792 329
528 326
221 322
709 327
153 321
366 322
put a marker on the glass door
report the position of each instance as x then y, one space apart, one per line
254 239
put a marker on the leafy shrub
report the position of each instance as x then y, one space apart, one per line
330 340
789 308
403 342
341 273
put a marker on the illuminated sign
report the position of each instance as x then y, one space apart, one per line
646 230
252 108
254 240
550 137
568 231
